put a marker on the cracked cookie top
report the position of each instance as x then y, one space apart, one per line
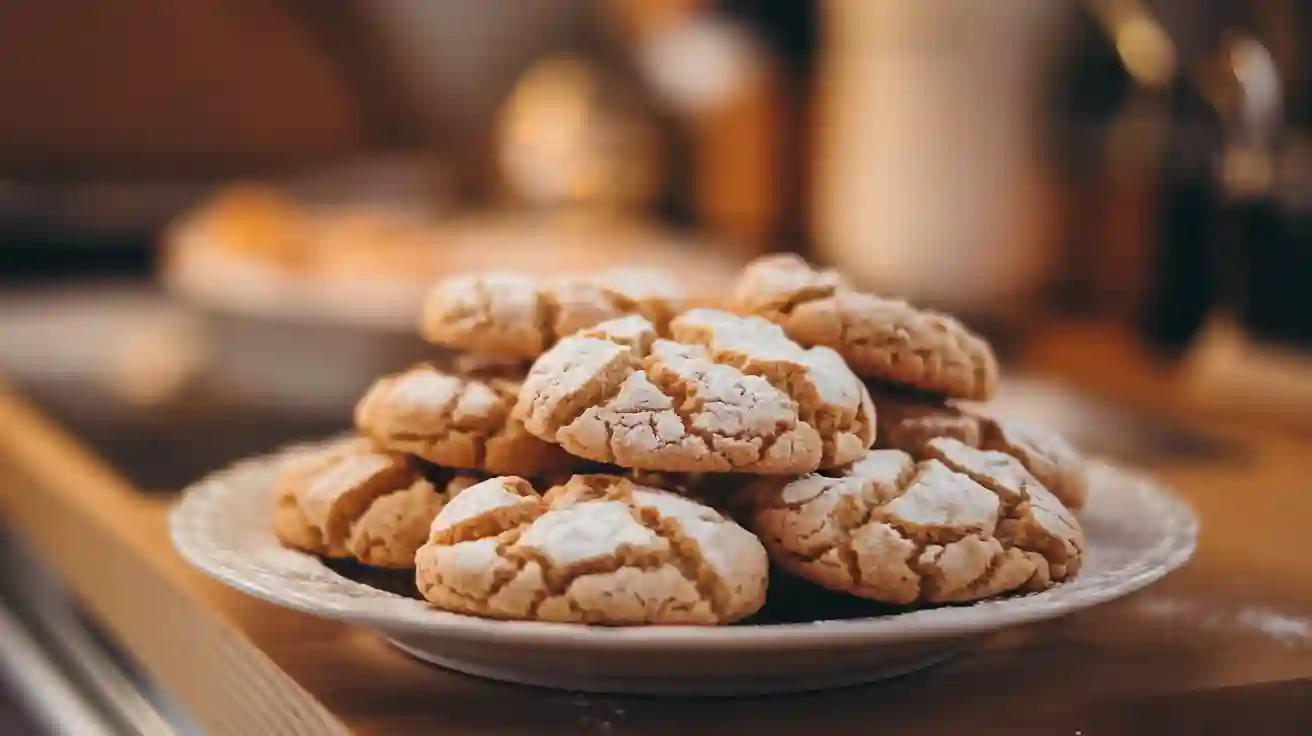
352 501
289 522
456 422
723 393
961 525
514 315
598 549
882 339
909 424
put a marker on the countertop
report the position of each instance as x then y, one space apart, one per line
1224 644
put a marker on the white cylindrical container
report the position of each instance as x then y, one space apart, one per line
930 182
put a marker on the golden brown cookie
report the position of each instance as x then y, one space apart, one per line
724 393
518 316
962 525
598 549
908 424
396 524
289 522
456 422
358 503
883 339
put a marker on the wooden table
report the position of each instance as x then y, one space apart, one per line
1221 646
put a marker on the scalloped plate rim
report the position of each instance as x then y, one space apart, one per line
1173 551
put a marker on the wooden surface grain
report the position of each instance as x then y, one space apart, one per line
1228 635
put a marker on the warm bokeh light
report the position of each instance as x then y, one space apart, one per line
490 366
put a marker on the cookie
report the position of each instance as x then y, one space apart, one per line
396 524
289 522
512 315
724 393
908 424
370 506
884 339
962 525
598 549
456 422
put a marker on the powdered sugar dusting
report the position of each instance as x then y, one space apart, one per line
1286 629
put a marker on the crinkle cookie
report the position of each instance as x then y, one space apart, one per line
962 525
908 425
598 549
289 522
456 422
882 339
724 393
517 316
367 505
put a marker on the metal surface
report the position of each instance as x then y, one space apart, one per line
85 522
48 696
68 674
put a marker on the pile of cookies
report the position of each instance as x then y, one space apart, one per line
604 450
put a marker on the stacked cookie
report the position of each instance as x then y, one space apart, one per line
952 505
443 462
926 372
600 452
350 499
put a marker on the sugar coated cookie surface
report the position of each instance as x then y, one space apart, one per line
598 549
289 522
962 525
909 424
519 316
355 502
882 339
723 393
456 422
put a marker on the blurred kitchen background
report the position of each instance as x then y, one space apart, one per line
217 217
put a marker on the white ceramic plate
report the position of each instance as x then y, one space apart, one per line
1137 533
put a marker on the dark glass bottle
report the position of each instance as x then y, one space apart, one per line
1266 247
1182 286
